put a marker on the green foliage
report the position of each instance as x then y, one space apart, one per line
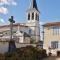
2 57
32 40
25 53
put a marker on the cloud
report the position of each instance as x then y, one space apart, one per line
1 20
14 3
8 2
3 10
41 23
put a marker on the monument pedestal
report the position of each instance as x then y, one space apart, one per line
12 46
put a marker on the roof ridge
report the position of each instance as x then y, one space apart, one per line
51 23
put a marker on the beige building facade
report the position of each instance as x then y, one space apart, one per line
51 37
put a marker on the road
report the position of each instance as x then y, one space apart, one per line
52 58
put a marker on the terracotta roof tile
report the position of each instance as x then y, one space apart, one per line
1 31
51 24
15 24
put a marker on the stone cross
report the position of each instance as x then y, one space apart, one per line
12 46
11 26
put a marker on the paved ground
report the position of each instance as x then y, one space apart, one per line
52 58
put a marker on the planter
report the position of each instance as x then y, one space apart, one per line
50 54
58 53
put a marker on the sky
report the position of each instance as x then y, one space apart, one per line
49 9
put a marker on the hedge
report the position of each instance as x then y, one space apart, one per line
25 53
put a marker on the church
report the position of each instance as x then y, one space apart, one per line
23 32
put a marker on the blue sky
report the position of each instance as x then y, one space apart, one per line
50 10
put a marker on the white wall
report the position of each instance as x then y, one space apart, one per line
21 39
5 45
7 30
27 40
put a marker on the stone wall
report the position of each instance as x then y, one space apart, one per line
4 45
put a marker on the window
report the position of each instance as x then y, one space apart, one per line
29 16
32 16
6 33
36 16
54 44
1 35
55 30
14 32
21 31
29 31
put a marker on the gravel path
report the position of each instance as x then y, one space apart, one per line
52 58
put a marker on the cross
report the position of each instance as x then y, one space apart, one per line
11 26
12 46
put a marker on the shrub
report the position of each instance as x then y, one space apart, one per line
2 57
32 40
25 53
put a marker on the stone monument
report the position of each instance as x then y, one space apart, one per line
12 46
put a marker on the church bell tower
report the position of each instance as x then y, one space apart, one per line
33 20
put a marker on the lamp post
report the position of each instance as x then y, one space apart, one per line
43 35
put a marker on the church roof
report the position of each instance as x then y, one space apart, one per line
51 24
33 4
3 30
15 24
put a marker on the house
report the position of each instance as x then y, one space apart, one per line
51 37
22 32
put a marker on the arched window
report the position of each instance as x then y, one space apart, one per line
36 16
30 31
32 16
28 16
